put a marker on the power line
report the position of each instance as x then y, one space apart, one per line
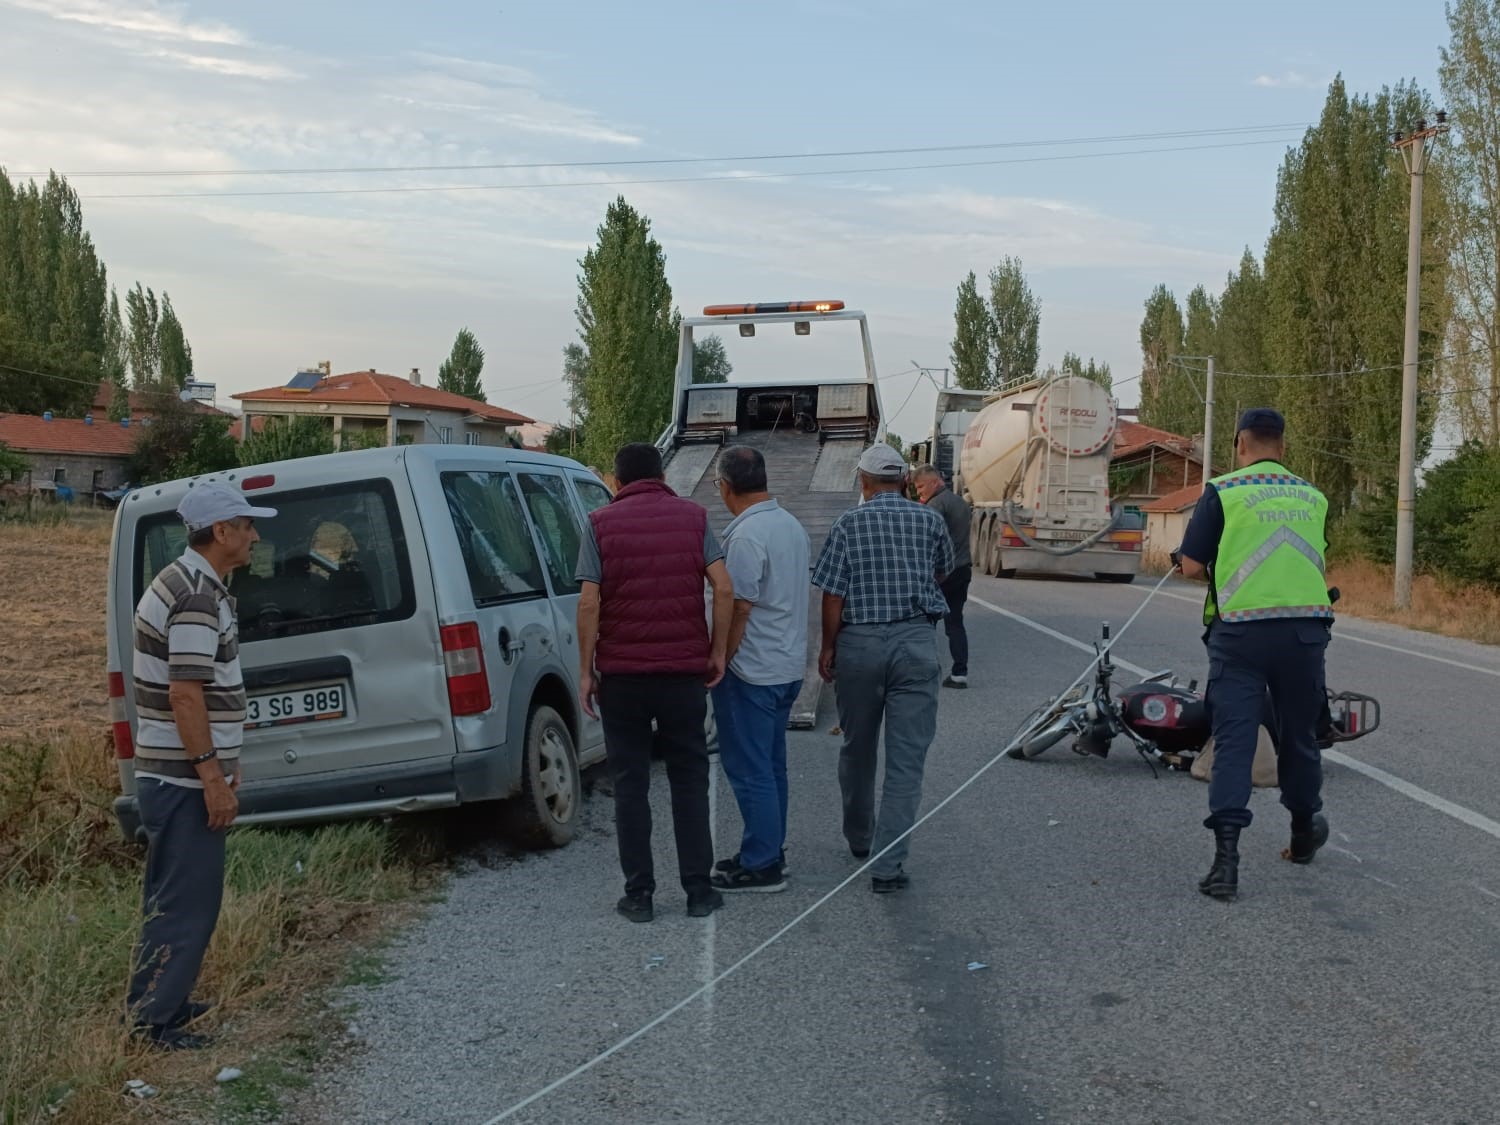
723 179
665 160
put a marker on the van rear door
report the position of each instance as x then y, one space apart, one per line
505 612
338 630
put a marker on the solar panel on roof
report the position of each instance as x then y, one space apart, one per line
304 380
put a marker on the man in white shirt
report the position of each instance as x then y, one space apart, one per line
190 703
767 553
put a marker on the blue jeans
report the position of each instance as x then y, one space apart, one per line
752 722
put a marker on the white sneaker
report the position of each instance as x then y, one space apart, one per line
956 681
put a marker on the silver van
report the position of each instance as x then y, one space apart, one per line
406 633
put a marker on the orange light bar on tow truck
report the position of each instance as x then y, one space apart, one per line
775 307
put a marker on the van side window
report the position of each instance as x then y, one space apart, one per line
552 512
334 557
492 533
592 494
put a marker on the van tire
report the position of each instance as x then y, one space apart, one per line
546 812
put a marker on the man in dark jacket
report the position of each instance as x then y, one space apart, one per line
645 655
933 491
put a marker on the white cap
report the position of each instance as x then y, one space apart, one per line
211 503
883 462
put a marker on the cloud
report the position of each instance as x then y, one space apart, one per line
230 68
1289 80
145 18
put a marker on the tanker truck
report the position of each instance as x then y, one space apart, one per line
1034 465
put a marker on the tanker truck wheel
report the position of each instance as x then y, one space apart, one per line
980 547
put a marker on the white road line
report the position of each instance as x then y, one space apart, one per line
1416 793
1342 635
1389 780
711 930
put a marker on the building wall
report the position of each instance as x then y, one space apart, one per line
413 426
78 470
1164 532
1171 472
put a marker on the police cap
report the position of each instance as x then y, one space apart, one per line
1263 420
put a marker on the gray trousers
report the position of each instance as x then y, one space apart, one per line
184 889
885 673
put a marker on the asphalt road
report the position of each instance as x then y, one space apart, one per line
1364 988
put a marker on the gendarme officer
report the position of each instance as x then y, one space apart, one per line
1258 536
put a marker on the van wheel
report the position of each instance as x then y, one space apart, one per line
547 809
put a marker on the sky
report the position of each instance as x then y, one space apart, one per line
707 93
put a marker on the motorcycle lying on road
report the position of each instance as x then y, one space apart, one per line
1165 722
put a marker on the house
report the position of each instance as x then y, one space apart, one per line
1148 464
85 455
403 411
1166 522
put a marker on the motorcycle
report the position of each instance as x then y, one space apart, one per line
1164 722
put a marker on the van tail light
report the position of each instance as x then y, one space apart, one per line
119 722
463 659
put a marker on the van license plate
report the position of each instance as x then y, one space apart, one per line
306 705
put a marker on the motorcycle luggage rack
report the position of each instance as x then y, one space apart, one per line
1353 715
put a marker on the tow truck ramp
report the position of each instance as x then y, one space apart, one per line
811 435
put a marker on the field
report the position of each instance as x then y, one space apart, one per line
300 910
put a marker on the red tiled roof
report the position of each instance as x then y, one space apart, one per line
1179 501
31 433
257 424
1132 437
373 388
140 404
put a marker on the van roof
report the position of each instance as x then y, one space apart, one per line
349 465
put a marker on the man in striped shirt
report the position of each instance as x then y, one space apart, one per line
190 703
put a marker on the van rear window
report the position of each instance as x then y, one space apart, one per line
333 557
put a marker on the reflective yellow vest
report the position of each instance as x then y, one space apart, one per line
1271 557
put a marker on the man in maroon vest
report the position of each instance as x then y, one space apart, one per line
645 655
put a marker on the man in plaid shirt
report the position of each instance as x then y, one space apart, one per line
879 572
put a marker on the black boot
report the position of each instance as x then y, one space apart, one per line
1223 878
1309 833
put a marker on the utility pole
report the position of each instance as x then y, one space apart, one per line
1415 149
1208 418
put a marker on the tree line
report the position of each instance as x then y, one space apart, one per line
996 334
1315 325
62 332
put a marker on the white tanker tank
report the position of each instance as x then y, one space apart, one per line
1035 467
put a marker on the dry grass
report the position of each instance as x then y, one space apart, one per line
1368 590
52 590
298 905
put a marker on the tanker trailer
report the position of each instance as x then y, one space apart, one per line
1035 468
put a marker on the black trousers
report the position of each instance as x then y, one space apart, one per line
679 705
956 593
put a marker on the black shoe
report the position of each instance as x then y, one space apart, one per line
956 681
1308 835
703 904
859 853
898 882
766 881
733 863
1223 879
192 1010
636 907
170 1038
